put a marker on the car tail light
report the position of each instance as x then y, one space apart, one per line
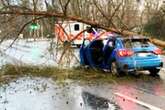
158 51
125 53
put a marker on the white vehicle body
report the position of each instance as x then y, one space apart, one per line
70 30
67 30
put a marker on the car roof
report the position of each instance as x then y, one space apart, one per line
117 36
133 38
136 37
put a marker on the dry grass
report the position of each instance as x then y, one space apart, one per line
10 72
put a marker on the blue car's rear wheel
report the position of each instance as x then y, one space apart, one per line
154 72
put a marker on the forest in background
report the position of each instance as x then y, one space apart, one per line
144 17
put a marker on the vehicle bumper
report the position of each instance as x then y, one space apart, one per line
132 65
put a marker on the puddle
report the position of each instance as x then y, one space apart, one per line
98 103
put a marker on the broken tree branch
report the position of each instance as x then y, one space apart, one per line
75 18
61 15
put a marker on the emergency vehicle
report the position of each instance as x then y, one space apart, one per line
68 30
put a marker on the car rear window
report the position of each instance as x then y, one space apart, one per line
130 43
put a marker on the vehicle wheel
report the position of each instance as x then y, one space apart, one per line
154 72
115 70
78 45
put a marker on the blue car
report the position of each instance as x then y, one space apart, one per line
122 55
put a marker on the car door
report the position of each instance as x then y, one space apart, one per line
109 51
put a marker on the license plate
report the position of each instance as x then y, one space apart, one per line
143 54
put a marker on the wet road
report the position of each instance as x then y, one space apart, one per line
45 94
141 93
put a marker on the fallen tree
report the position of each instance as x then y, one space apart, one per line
158 42
44 14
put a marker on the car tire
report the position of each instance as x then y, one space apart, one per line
154 72
115 70
78 45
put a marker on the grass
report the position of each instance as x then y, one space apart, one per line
9 72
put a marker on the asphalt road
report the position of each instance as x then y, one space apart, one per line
45 94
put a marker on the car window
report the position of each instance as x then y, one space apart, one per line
129 43
86 42
109 43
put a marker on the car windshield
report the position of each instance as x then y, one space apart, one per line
130 43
